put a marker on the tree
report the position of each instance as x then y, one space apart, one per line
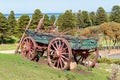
115 14
52 19
79 19
68 20
86 19
4 28
12 23
101 16
37 15
22 23
46 23
59 21
93 18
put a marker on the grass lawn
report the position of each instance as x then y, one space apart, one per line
14 67
8 46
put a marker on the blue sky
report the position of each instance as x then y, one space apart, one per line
46 6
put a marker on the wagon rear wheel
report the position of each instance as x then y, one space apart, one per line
28 48
87 58
59 53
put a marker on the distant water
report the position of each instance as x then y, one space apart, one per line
30 15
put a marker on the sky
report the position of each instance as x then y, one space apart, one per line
56 6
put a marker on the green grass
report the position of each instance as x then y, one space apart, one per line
8 46
14 67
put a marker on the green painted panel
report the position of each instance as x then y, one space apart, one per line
75 43
89 44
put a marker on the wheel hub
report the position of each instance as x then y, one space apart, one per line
57 54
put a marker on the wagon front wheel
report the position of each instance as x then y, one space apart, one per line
28 48
59 53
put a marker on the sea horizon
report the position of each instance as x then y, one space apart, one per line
17 15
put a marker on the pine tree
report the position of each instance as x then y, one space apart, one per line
37 15
52 19
22 23
59 21
4 28
79 19
86 19
101 16
93 18
12 23
46 23
68 20
115 14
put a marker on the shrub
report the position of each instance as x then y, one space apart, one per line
109 61
116 61
104 60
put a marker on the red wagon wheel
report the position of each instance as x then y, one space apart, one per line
28 48
59 53
88 58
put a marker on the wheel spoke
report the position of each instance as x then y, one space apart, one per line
62 46
31 51
56 44
30 43
65 57
62 60
59 44
61 63
27 55
58 63
24 50
27 43
24 54
54 55
87 63
29 40
64 50
80 58
52 52
64 53
54 47
54 63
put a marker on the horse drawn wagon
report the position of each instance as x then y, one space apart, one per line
61 49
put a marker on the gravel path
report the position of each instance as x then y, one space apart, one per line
8 51
114 56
